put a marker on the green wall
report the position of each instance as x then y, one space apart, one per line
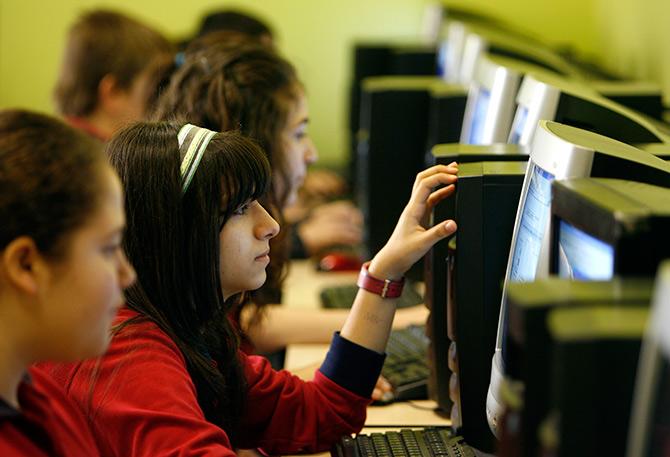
314 34
634 36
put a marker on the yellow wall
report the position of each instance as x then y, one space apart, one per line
556 22
634 36
314 34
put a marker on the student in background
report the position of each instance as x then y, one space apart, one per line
173 381
320 185
62 275
253 90
237 22
105 78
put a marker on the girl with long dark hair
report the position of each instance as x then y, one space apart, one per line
251 89
173 381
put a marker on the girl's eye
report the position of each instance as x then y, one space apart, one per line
300 133
241 210
111 249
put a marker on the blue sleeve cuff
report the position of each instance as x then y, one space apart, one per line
352 366
298 250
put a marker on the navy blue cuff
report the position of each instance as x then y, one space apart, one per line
352 366
298 250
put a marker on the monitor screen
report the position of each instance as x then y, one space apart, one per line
442 53
534 218
518 125
479 117
583 257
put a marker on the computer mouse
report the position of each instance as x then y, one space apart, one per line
339 262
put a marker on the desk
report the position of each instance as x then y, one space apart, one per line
301 290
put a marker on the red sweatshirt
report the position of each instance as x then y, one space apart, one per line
91 130
49 423
144 403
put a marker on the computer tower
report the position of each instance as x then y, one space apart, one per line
529 352
383 59
391 145
445 117
435 262
596 353
486 201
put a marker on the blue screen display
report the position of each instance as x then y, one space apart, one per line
479 117
519 124
442 54
534 218
583 257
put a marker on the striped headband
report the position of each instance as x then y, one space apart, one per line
193 141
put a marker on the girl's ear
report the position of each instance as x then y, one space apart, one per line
19 260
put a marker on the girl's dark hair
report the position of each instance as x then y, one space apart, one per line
163 68
231 86
46 190
247 88
103 43
234 21
173 242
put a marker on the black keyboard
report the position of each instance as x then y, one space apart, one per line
427 442
406 365
343 296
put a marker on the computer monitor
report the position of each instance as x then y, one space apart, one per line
583 257
645 97
546 96
479 40
456 26
661 150
606 226
518 125
602 228
491 100
529 349
488 110
649 434
485 201
596 352
482 99
558 152
450 51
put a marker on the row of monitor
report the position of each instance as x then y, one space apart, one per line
403 117
511 227
521 213
467 40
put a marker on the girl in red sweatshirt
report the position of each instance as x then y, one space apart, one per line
173 381
62 273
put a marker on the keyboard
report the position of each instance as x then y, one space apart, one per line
427 442
406 365
343 296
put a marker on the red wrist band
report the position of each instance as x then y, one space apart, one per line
386 288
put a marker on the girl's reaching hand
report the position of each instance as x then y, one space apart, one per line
410 240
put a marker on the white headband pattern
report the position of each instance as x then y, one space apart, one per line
192 150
